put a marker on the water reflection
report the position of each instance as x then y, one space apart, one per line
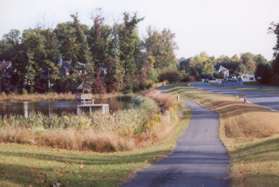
58 107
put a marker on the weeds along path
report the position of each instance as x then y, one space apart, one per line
199 159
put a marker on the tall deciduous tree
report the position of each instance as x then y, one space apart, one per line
129 45
83 54
161 45
263 73
72 56
274 28
248 60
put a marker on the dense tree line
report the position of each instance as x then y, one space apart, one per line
74 56
204 66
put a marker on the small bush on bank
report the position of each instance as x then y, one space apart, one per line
170 76
165 101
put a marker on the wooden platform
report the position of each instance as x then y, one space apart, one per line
91 107
87 101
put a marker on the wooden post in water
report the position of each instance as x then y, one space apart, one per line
78 110
25 109
105 108
90 110
177 98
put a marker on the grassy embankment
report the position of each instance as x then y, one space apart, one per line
132 139
35 97
51 96
250 133
47 96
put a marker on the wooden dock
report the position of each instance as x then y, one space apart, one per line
91 107
87 102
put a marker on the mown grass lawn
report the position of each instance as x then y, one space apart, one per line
256 164
29 165
22 165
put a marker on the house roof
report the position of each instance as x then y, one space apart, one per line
5 65
222 69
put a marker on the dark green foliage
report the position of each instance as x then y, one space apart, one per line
129 47
264 73
170 76
203 66
275 65
270 72
161 45
74 57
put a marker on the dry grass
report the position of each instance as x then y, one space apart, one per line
71 139
12 97
246 120
150 132
165 101
36 97
124 130
248 131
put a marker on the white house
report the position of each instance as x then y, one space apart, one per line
224 71
248 78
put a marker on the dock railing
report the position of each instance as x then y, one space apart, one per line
87 101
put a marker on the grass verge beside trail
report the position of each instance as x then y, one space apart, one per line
250 133
25 165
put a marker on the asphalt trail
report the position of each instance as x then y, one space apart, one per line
259 96
199 159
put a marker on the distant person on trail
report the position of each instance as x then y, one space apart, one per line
244 99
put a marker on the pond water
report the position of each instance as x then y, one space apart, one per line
60 107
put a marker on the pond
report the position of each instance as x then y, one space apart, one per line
60 107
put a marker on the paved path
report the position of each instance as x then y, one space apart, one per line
267 98
199 159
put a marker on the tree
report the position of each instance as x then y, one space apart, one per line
29 73
11 49
274 28
201 66
263 73
147 75
73 45
49 71
34 49
83 54
114 76
170 75
68 47
161 45
72 56
248 60
129 45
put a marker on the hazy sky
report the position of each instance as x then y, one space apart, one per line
214 26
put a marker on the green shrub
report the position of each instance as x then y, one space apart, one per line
170 76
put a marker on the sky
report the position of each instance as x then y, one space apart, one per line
217 27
